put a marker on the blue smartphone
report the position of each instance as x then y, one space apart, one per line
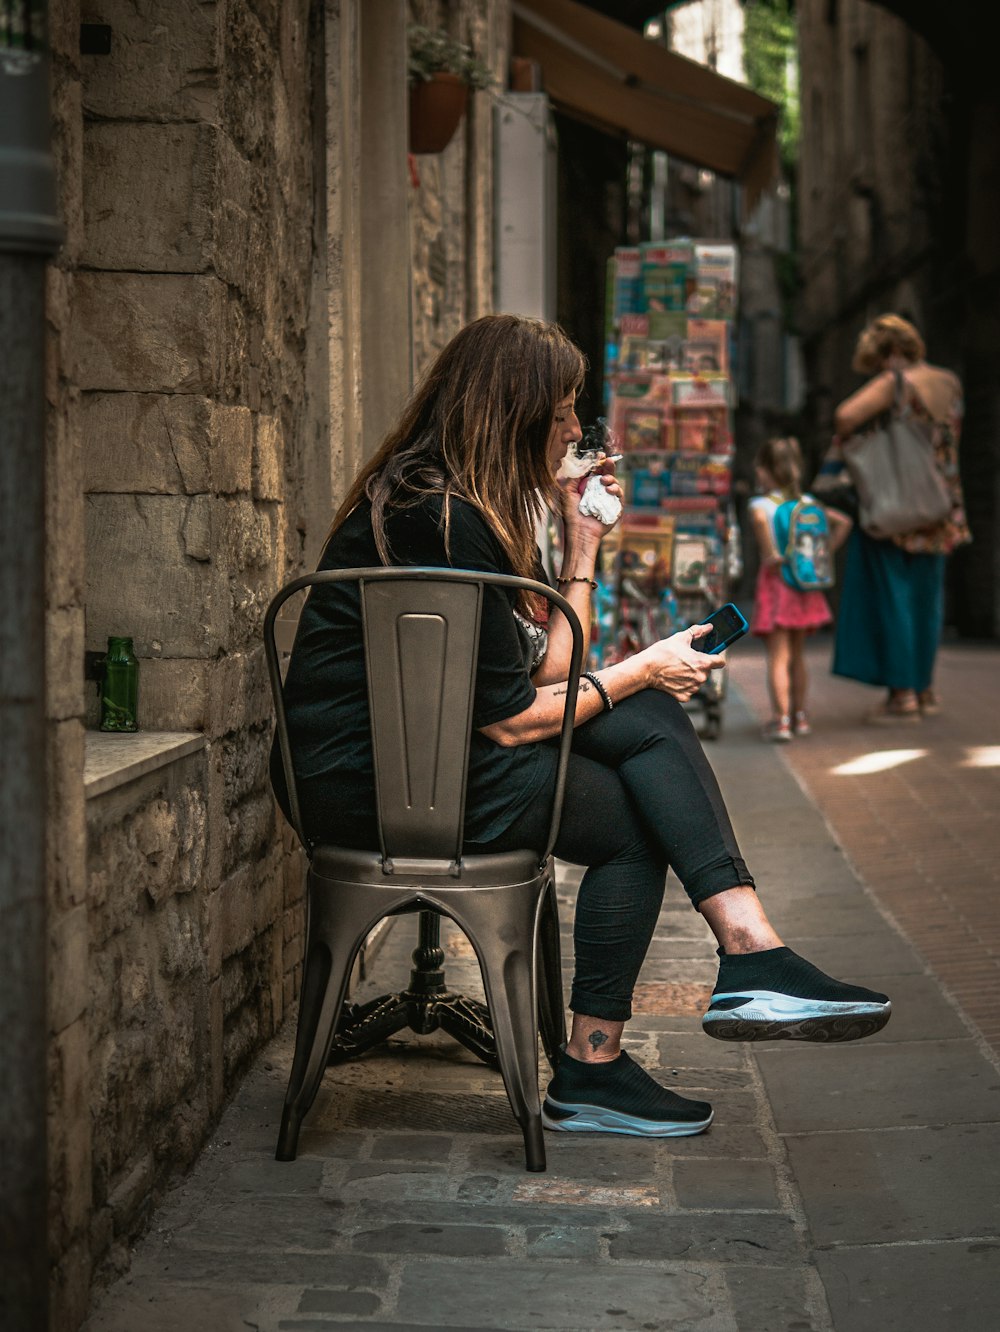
727 626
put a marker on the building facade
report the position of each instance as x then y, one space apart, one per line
898 180
252 273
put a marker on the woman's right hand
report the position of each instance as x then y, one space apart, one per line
675 666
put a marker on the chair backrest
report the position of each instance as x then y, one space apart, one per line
421 644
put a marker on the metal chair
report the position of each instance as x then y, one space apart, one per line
421 642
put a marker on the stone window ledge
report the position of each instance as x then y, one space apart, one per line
112 759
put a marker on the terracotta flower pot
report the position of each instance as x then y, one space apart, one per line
436 107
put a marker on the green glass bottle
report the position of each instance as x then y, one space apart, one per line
120 694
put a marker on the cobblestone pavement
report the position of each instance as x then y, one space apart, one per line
852 1188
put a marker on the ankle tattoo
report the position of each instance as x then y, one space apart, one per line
596 1039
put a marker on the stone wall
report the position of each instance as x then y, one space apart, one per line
870 181
178 415
452 202
900 163
205 388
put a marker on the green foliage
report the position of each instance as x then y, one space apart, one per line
770 58
434 51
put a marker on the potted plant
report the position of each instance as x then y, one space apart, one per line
440 70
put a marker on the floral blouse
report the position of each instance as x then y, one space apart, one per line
954 531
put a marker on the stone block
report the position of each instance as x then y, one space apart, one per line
157 850
343 1303
709 1185
147 205
880 1086
249 61
268 458
174 694
233 204
64 628
898 1185
718 1237
69 944
244 758
240 694
150 333
885 1286
196 529
233 915
216 1023
231 444
683 1296
770 1297
70 1283
142 582
164 63
148 443
69 1134
64 507
179 944
67 841
414 1237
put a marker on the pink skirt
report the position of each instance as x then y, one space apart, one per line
778 606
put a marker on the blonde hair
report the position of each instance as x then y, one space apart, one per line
888 335
782 460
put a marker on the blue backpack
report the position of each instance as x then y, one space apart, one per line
802 536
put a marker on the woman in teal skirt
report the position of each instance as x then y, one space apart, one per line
892 595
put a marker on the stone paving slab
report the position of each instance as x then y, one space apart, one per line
898 1288
813 1204
880 1086
875 1187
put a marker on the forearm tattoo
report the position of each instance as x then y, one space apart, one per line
584 687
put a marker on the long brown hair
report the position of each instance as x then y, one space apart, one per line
476 428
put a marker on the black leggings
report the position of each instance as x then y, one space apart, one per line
640 797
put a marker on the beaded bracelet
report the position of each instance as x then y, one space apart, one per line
578 579
605 696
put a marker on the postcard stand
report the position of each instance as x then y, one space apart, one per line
670 408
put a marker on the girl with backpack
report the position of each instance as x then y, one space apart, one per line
796 537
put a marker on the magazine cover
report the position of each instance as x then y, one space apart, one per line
699 430
626 281
704 391
715 288
642 429
647 547
708 346
689 572
667 273
667 324
644 486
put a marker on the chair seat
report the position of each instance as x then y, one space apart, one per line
345 865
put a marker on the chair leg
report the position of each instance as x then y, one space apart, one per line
551 1001
340 918
501 924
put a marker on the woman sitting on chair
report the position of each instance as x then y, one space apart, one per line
457 483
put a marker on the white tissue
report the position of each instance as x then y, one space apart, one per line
595 502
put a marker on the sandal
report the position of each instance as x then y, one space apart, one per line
930 704
890 712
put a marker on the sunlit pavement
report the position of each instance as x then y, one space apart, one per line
853 1188
916 809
